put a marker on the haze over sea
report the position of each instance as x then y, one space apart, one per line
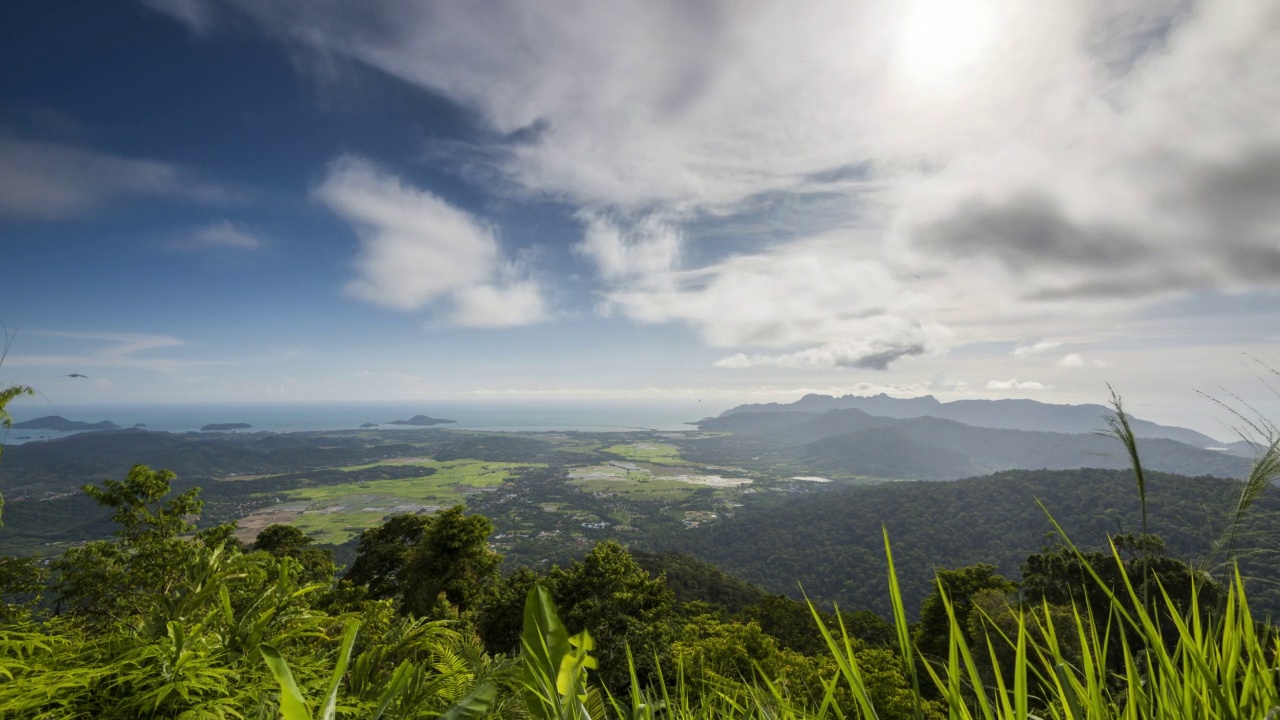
320 416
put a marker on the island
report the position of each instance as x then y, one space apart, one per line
369 425
421 420
57 422
227 426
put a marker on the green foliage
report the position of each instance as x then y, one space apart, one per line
113 581
191 638
6 396
694 580
829 540
555 665
21 582
164 622
384 552
953 595
607 592
452 559
623 606
317 564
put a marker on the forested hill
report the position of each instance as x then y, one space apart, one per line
830 542
854 442
1014 414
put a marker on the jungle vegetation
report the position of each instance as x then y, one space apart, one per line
164 620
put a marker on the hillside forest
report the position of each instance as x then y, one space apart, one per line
1063 593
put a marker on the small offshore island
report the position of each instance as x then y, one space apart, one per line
226 426
57 422
420 420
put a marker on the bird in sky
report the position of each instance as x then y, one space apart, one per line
86 377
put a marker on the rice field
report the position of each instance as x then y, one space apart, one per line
642 481
336 513
652 452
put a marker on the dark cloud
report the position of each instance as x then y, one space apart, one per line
1028 231
1239 204
880 360
1220 228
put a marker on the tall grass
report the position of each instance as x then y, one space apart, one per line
1210 669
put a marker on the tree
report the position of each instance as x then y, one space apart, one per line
622 605
1064 576
113 580
21 581
7 395
500 617
452 558
788 621
383 553
317 565
961 585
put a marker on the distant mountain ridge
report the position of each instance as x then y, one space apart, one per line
930 448
1017 414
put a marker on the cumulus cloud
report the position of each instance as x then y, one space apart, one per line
848 312
416 249
495 306
1038 348
1076 360
222 235
646 249
45 181
1057 157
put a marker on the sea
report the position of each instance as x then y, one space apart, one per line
320 416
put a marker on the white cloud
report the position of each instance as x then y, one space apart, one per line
941 383
1062 159
1044 346
1017 385
222 235
874 355
848 311
648 248
415 249
491 306
46 181
1076 360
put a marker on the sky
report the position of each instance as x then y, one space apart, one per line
733 201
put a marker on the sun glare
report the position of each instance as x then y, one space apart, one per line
942 40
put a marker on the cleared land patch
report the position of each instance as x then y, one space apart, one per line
663 453
335 513
642 481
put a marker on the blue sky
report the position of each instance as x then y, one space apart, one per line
224 200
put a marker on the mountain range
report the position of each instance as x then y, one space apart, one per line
927 447
1017 414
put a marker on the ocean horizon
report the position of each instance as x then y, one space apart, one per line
326 416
